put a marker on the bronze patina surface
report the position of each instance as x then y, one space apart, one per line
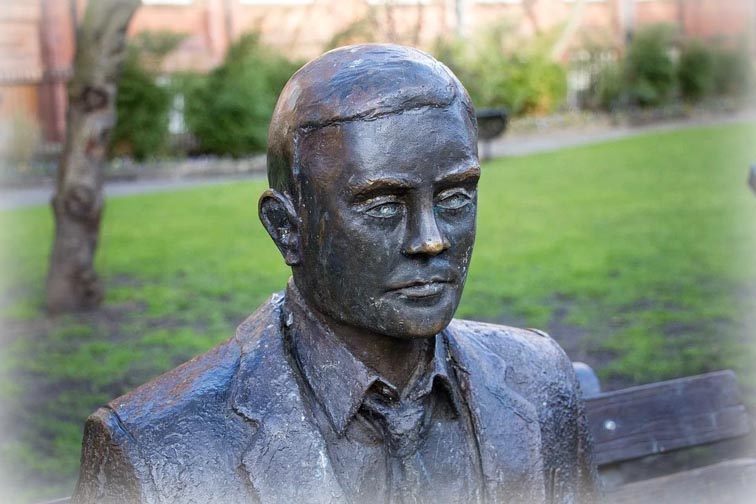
355 384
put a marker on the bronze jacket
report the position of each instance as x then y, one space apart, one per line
230 426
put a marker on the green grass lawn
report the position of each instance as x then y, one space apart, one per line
636 255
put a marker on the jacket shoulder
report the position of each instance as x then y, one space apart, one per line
157 441
197 386
531 362
518 347
189 384
181 430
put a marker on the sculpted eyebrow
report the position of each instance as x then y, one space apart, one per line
367 188
467 175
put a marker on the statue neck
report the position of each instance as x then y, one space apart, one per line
395 359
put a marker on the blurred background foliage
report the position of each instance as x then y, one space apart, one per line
143 101
226 112
501 69
649 67
659 68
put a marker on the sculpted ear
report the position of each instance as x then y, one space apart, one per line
280 220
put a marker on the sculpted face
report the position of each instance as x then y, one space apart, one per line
387 219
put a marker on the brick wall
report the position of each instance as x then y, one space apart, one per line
20 60
37 36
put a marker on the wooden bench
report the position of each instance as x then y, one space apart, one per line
638 425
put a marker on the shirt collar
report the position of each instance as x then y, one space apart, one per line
337 378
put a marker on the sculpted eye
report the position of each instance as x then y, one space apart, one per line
385 210
454 200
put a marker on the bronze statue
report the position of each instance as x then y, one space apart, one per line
355 384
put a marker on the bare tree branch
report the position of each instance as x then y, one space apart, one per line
573 23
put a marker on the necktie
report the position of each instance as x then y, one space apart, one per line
403 425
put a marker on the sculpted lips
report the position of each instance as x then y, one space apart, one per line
418 289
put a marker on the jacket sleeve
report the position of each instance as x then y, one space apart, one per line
575 479
109 466
589 487
571 476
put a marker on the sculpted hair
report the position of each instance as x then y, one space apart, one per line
362 82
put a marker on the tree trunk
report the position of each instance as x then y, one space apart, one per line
72 283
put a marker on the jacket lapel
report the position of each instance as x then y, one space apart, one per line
506 425
286 460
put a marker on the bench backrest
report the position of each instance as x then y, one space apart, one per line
659 417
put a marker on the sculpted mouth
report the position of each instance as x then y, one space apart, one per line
420 288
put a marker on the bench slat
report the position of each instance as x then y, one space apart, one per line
664 416
729 482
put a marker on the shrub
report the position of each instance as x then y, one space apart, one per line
188 90
141 129
695 71
596 71
608 86
229 112
142 105
733 71
649 69
647 74
499 70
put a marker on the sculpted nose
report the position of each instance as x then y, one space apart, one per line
425 238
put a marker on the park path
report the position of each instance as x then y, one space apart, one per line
532 143
35 196
509 145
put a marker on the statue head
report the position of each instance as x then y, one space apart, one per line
373 171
